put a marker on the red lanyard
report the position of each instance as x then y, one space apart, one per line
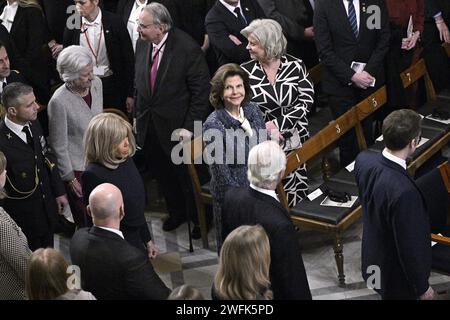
99 42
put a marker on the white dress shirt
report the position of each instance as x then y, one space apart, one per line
270 193
312 3
393 158
356 5
3 83
17 129
95 33
132 21
118 232
8 15
232 8
160 46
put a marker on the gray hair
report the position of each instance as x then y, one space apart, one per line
12 94
161 15
270 36
71 61
266 163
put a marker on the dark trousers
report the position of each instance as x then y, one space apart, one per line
133 236
44 241
77 206
113 94
348 143
173 180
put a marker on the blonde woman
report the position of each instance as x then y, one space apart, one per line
14 251
109 146
244 263
48 278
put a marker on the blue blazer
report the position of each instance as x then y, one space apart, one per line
396 232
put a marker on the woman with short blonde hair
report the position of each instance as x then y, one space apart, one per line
109 146
282 89
244 263
102 135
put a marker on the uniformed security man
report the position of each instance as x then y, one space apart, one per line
35 193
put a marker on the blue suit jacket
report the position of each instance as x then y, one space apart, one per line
396 234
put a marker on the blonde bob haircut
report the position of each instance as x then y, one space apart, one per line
46 277
269 34
244 263
104 133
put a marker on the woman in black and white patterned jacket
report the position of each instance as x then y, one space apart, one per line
283 91
14 251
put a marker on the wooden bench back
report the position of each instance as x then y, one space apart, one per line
416 72
447 48
317 143
315 74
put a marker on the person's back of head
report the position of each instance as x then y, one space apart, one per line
186 292
47 275
266 165
244 262
106 206
401 128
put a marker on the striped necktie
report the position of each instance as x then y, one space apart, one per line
352 18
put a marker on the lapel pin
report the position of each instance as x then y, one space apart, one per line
8 135
24 175
246 9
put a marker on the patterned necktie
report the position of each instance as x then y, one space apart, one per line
27 132
154 68
352 17
240 18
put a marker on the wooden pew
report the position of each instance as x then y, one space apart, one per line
310 149
409 77
203 197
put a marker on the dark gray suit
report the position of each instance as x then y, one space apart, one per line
396 234
180 97
245 206
112 269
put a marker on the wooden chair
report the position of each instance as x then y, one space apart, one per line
117 112
339 220
202 194
447 48
409 77
315 73
444 170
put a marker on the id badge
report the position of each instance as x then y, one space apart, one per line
99 70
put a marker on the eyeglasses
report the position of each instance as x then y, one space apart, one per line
145 26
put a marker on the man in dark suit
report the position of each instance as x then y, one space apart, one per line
297 26
259 204
172 88
396 251
6 74
111 268
106 37
34 188
348 31
224 23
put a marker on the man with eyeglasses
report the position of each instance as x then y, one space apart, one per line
172 89
396 251
106 37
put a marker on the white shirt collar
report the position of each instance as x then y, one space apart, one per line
118 232
270 193
9 12
15 127
393 158
230 7
96 22
138 4
159 45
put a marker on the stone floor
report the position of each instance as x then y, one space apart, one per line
198 268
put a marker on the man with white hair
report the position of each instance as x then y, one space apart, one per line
259 204
111 268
